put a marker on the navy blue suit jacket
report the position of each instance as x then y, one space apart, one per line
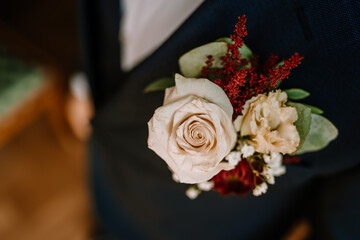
135 195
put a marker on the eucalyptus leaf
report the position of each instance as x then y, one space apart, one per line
244 50
160 84
280 64
322 132
225 40
314 109
303 122
296 93
278 83
192 62
277 66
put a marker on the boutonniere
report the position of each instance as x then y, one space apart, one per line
226 125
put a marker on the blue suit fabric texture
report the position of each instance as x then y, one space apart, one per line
133 191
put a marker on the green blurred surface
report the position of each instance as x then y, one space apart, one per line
17 81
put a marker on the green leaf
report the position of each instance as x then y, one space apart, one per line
192 62
278 84
314 109
280 64
160 84
322 132
303 122
225 40
245 52
277 66
296 93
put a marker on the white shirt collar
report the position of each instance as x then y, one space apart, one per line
146 24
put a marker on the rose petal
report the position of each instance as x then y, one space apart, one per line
201 87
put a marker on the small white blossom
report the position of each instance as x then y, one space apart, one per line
274 158
278 171
175 177
206 186
247 151
192 193
274 164
273 167
233 158
267 173
271 179
260 189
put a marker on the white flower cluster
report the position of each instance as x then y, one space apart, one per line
233 158
272 169
194 191
260 189
243 151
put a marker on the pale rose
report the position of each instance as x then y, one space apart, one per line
193 131
269 123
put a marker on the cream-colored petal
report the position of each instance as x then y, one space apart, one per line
192 177
269 123
162 120
168 93
200 87
288 114
224 128
237 122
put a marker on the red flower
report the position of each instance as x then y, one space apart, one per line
238 181
240 84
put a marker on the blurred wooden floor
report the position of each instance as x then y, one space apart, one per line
43 188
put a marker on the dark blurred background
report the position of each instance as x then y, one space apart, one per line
51 27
